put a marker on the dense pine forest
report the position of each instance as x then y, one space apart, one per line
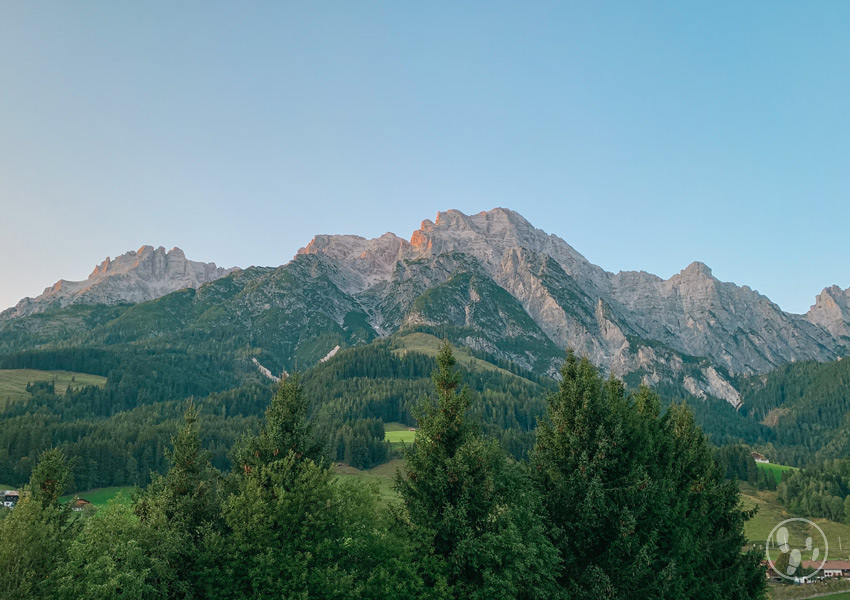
130 427
117 433
617 498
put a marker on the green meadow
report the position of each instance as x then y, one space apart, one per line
771 513
13 382
776 470
398 433
826 590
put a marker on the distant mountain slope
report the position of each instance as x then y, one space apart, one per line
117 430
137 276
806 405
490 281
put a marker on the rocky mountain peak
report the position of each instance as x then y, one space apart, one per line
499 228
517 292
351 247
362 262
697 269
135 276
489 235
831 311
616 319
132 259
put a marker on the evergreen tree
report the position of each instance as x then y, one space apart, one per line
636 504
292 530
109 560
285 430
783 565
473 519
34 536
752 470
50 477
177 510
186 495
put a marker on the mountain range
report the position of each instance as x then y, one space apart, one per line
136 276
490 281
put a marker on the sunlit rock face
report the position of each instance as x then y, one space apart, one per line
626 322
496 283
362 262
831 311
137 276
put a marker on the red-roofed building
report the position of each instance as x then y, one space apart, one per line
831 568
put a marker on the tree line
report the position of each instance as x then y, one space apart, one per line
119 432
617 499
818 492
739 464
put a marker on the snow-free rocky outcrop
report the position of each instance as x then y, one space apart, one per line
137 276
691 328
491 281
831 311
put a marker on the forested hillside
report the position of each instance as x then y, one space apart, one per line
614 484
117 433
806 407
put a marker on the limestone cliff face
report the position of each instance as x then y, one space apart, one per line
498 284
617 319
137 276
831 311
695 313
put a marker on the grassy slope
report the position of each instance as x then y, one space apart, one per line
425 343
13 382
777 470
396 433
771 513
827 590
396 427
400 436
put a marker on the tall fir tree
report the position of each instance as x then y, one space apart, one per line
472 517
635 502
35 535
178 509
50 477
292 530
285 430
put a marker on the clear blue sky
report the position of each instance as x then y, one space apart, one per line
646 134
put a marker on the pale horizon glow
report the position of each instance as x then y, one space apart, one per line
646 135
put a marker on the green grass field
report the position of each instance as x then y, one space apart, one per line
828 590
13 382
771 513
398 433
101 496
777 470
396 427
